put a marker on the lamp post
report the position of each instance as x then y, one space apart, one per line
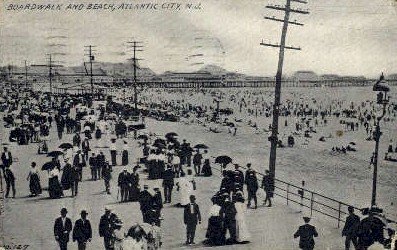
382 89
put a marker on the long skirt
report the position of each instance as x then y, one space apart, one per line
124 158
54 188
113 154
134 193
206 170
214 233
34 185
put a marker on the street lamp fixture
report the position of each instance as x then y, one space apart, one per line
382 98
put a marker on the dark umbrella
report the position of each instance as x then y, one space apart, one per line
143 137
65 145
223 159
159 141
48 166
201 146
170 135
55 153
159 145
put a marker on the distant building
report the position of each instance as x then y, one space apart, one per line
305 76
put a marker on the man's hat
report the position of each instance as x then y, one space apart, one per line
107 208
306 219
64 210
84 212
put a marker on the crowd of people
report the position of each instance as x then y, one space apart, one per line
177 163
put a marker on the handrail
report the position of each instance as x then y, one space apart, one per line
315 205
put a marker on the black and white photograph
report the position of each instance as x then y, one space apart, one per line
198 124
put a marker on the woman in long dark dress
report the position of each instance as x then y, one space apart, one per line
54 186
34 181
214 233
124 158
134 187
206 170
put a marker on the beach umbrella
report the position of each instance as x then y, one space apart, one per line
55 153
65 145
223 159
201 146
47 166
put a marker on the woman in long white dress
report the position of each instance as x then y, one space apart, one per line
186 187
242 233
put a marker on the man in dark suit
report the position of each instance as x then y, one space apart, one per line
6 157
62 228
268 186
78 163
82 232
76 140
145 202
252 185
168 183
350 229
93 166
100 161
228 214
238 175
105 228
85 146
123 183
191 217
306 233
9 177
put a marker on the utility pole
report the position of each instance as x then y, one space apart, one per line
91 58
282 47
50 65
26 75
136 48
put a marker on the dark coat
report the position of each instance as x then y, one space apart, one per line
251 181
306 233
68 177
100 159
168 177
85 146
145 200
267 183
107 173
190 218
6 162
228 211
351 226
105 226
93 161
123 179
76 160
62 231
82 231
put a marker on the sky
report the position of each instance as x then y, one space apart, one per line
346 37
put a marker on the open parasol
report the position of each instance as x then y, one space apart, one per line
55 153
223 159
